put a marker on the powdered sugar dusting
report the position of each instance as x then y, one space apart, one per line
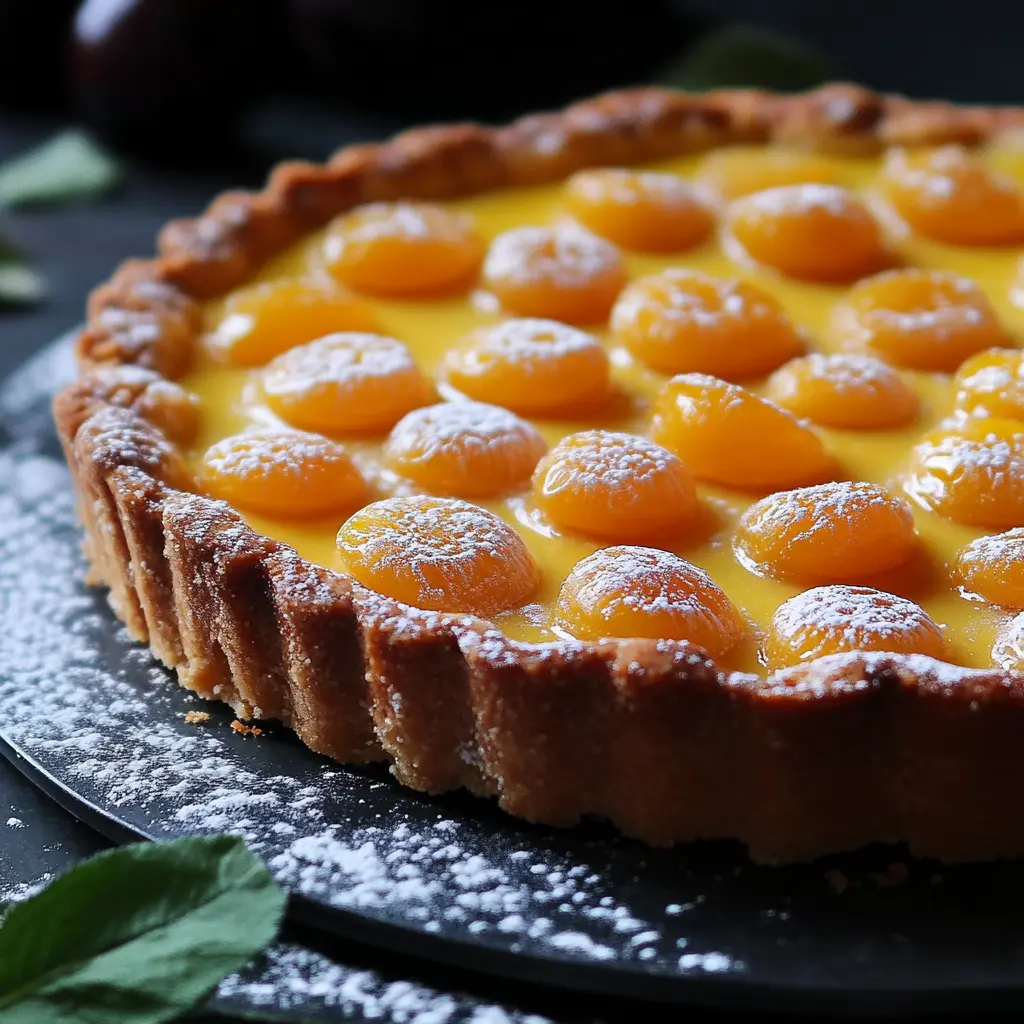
567 255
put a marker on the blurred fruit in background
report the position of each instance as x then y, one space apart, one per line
162 75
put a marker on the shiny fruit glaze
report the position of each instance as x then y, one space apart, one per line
534 332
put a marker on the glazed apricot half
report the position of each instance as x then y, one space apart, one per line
827 533
949 195
820 233
558 273
639 210
615 486
285 474
728 435
838 618
536 367
466 449
403 249
848 392
992 384
920 319
646 592
442 554
736 171
993 568
972 474
264 320
345 383
683 321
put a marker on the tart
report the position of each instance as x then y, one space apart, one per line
660 460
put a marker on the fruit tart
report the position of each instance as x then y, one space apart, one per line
659 460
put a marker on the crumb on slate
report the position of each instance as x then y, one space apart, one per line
197 717
246 730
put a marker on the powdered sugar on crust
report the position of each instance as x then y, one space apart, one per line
566 255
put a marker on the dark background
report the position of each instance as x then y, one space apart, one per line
187 132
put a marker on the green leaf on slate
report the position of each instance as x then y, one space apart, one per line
19 283
69 166
747 56
136 935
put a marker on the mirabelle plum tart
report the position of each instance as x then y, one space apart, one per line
820 233
827 533
993 568
647 592
848 392
730 436
683 321
920 319
443 554
559 273
403 249
992 384
465 449
286 474
616 487
539 367
839 618
469 250
647 212
266 319
951 196
345 384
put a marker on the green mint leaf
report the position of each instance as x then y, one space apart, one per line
69 166
19 284
747 56
136 935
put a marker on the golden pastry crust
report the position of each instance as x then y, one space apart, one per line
817 758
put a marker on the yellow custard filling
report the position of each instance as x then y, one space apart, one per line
776 257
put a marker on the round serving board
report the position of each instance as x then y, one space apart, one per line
97 723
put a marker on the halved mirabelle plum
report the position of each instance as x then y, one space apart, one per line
728 435
920 319
851 392
538 367
993 568
560 273
736 171
466 449
639 210
345 384
646 592
827 533
442 554
683 321
285 474
992 383
820 233
264 320
973 473
838 618
615 486
403 249
949 195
